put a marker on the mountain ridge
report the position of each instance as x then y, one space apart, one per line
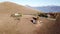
48 8
10 7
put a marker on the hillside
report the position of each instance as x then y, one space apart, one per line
10 25
10 7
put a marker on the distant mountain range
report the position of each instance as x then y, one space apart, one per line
48 8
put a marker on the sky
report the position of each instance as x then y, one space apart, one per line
35 2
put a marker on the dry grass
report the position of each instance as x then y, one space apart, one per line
8 7
8 25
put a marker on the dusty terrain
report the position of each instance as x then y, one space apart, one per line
9 25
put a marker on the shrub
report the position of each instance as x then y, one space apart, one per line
16 16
